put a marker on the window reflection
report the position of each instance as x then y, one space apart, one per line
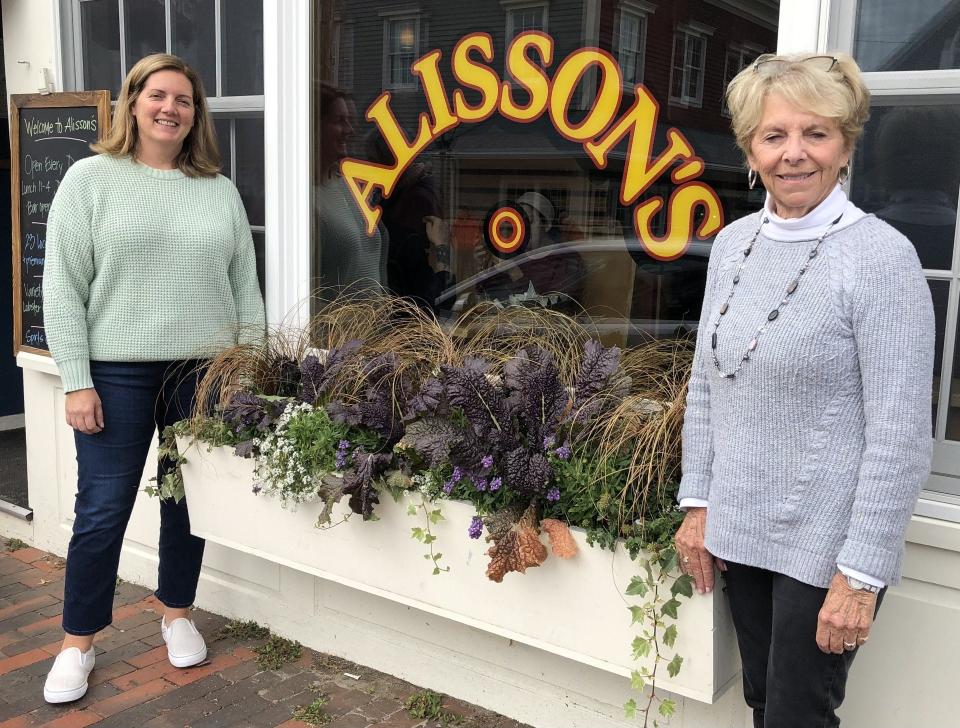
579 251
893 35
907 172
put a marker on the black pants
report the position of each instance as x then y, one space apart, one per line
787 680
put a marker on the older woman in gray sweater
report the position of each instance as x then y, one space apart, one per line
807 433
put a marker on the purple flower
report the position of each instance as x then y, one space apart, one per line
549 442
257 488
563 452
495 484
476 527
553 495
481 484
487 461
448 486
457 475
343 445
342 456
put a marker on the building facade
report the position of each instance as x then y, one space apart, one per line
267 66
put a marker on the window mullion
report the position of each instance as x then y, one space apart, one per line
168 21
946 365
123 38
218 52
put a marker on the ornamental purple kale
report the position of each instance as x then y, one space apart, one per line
591 393
317 377
359 482
481 402
537 396
377 410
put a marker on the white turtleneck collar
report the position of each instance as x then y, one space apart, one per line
811 225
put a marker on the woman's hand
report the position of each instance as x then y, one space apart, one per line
84 412
693 555
846 617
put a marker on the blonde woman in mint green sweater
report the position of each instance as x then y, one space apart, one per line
150 269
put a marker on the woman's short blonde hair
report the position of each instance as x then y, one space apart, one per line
199 156
838 94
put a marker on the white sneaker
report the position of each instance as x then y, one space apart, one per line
67 679
185 645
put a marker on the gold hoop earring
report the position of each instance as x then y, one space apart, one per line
752 178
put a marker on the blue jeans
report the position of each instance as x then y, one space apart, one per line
137 397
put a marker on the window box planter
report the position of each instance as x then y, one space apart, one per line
573 608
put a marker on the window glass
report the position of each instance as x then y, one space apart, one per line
893 35
222 126
193 36
402 48
501 202
100 28
630 52
250 167
144 25
241 24
907 171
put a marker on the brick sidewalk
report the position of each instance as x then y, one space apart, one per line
134 686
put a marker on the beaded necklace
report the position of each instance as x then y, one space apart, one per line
775 313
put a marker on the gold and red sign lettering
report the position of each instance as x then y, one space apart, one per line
599 132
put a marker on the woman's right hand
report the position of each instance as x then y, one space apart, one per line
692 553
84 411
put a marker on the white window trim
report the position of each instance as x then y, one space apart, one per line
419 42
287 84
641 11
510 6
690 29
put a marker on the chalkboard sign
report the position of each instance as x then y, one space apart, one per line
48 133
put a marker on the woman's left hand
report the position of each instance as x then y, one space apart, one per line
846 617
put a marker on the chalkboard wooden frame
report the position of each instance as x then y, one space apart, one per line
70 99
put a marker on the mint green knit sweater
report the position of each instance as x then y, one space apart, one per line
145 265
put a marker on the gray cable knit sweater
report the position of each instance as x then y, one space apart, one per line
815 452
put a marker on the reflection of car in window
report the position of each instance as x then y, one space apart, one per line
628 294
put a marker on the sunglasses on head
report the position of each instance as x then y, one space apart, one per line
770 63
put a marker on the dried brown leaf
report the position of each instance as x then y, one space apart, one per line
561 540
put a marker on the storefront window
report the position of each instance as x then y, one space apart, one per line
222 40
517 179
893 35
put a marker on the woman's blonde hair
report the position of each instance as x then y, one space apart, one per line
804 81
199 156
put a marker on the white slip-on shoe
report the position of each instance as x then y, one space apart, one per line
185 645
67 679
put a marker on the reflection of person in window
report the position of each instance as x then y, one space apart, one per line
561 273
922 194
346 255
418 257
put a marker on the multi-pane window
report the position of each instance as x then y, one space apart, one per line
907 173
221 39
738 57
522 18
688 68
343 55
402 44
631 42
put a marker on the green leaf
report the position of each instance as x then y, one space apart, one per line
670 635
641 647
437 556
637 613
630 709
436 570
667 708
669 608
430 538
668 560
673 667
637 681
683 585
411 510
638 587
417 533
435 516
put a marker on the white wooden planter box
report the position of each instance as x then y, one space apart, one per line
573 608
